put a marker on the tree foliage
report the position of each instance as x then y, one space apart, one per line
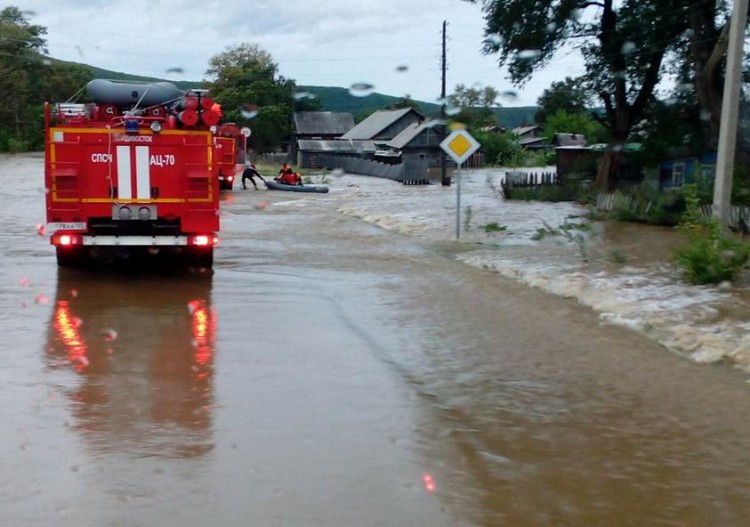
624 43
20 45
569 95
245 80
499 149
574 123
472 106
27 79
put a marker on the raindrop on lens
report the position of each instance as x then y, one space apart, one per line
452 110
551 27
509 95
705 115
109 334
361 89
494 39
628 48
528 54
301 95
249 111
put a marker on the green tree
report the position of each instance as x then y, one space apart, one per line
624 45
574 123
20 66
568 95
473 106
404 102
245 80
499 149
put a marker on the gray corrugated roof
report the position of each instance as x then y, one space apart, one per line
526 141
336 145
523 130
323 123
407 136
376 123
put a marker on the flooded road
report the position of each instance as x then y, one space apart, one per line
331 372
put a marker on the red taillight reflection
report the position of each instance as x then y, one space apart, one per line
67 329
204 329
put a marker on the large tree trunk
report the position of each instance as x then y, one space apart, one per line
606 174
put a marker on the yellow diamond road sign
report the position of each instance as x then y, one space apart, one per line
460 145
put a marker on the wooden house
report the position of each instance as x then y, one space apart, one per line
384 125
321 126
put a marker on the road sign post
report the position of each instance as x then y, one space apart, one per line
459 145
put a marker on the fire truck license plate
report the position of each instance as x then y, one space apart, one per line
67 226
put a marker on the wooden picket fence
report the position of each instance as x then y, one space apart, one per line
739 217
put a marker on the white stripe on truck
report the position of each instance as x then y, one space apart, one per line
124 176
142 173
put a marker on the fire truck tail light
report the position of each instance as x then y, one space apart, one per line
203 240
66 240
230 178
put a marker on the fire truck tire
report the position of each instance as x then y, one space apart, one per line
70 258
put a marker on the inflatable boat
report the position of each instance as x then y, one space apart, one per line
275 185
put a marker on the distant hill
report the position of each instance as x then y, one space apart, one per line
336 99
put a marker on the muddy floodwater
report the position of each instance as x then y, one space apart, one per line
331 371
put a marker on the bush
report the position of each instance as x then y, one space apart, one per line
711 255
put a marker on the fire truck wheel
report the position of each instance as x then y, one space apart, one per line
70 258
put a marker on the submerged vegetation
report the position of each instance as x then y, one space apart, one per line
711 255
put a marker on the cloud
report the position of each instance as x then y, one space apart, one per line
393 44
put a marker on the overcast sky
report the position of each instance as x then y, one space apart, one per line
394 45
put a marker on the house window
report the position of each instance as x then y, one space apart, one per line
678 174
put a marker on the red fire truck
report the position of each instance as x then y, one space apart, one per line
134 173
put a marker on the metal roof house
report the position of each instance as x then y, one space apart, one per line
319 126
419 148
359 140
384 125
322 125
312 151
528 137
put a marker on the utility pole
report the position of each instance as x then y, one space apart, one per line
444 179
729 110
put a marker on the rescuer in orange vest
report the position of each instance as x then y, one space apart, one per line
287 176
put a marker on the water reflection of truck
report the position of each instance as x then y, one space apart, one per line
136 172
143 352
